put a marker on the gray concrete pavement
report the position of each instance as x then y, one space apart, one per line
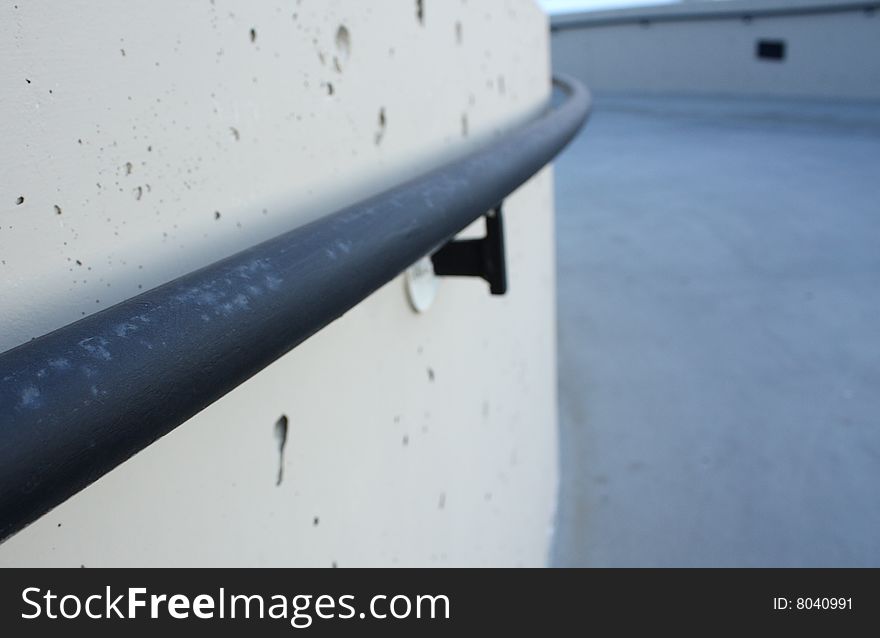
719 335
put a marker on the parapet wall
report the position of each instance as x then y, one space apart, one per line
794 48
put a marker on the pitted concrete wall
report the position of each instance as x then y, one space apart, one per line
142 141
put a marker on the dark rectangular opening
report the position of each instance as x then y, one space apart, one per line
771 49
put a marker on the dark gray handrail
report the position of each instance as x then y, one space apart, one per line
78 401
706 12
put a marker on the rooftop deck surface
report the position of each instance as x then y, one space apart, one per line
719 334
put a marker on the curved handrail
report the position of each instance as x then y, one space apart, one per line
79 401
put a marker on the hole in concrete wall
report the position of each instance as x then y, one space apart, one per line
343 42
420 11
382 122
770 50
253 35
19 200
281 437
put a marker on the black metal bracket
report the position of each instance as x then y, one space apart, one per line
477 257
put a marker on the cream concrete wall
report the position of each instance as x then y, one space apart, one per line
145 139
829 56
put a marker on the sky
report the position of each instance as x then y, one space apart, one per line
561 6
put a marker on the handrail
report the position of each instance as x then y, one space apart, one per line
706 12
79 401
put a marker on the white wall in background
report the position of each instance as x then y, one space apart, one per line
142 140
827 56
565 6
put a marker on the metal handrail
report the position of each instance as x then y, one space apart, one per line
79 401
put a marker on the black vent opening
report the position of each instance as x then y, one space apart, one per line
770 50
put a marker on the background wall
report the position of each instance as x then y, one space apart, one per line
710 48
144 140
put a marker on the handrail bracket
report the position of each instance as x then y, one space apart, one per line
482 257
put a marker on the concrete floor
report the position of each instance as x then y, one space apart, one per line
719 335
